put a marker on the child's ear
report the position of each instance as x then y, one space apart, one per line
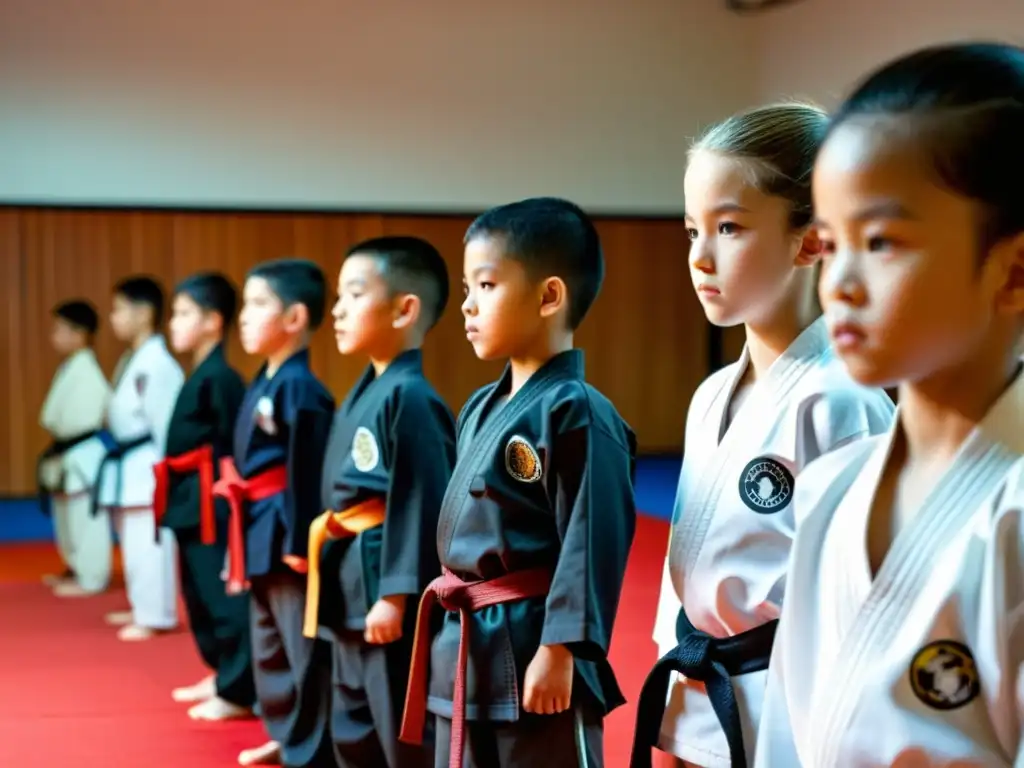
1006 264
554 296
296 318
407 310
810 248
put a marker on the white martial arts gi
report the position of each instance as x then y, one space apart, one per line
733 522
922 664
142 404
74 406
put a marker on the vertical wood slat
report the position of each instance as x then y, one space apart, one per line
645 338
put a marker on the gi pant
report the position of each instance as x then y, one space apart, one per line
571 739
369 684
291 671
87 546
219 622
149 569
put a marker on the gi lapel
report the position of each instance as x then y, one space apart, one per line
751 426
480 438
976 473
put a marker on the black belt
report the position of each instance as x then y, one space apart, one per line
115 453
709 660
53 450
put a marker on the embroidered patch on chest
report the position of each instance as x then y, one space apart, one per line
943 675
766 485
365 453
522 461
264 415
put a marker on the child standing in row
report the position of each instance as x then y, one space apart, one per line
386 469
901 640
751 429
199 437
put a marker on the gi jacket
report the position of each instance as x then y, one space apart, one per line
542 480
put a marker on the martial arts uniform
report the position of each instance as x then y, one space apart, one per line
73 413
922 663
388 463
199 437
273 487
534 534
139 414
733 526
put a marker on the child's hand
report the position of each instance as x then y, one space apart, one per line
547 689
384 621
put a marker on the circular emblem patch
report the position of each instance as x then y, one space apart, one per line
265 415
522 461
365 453
766 485
944 676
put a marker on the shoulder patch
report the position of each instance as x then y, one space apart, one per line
522 461
264 415
943 675
365 452
766 485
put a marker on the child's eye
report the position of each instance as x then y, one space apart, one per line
486 285
728 228
691 233
878 243
828 247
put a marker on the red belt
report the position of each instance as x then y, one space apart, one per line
237 490
199 460
454 594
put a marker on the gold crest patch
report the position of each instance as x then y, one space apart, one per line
365 453
943 675
522 461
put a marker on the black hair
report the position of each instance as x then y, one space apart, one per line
143 290
410 265
296 281
79 313
549 237
212 292
963 104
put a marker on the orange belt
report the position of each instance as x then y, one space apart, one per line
335 525
454 594
237 490
199 460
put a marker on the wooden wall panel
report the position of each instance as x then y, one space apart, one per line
645 338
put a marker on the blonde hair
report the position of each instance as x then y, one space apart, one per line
779 143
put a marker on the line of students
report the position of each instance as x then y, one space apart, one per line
884 552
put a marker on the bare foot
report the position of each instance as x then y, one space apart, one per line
217 709
72 589
268 754
201 691
118 618
53 579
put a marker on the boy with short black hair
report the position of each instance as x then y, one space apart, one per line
146 385
273 488
387 466
72 414
200 436
539 516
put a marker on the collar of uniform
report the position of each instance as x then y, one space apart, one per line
215 356
564 365
409 360
299 358
1004 422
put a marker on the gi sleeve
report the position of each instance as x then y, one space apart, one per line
595 514
422 448
159 396
829 420
775 745
308 414
225 395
